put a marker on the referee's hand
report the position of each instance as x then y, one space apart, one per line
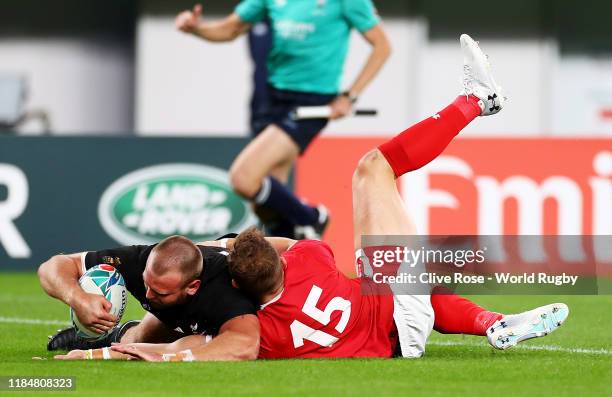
340 107
188 21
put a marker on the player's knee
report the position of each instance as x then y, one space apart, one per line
42 269
372 164
242 183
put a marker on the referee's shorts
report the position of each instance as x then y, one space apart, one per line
280 109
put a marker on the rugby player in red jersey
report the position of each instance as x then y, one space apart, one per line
310 309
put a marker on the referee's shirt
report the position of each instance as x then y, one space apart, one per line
215 302
309 39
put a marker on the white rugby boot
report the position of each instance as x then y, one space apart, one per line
512 329
478 78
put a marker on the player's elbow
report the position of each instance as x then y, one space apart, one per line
249 354
240 336
58 266
45 267
381 46
45 272
233 33
248 349
233 27
385 49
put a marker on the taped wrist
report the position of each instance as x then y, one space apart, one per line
184 355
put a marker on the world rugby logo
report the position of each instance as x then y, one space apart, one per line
152 203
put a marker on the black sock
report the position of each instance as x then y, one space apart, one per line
276 196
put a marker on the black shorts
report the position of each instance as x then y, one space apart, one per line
279 111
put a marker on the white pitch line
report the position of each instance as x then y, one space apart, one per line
31 321
532 347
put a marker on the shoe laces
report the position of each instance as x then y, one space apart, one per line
468 80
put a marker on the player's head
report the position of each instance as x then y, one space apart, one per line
172 272
254 264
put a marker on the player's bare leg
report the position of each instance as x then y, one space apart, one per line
377 214
378 208
377 205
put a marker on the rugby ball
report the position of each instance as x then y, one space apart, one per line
102 280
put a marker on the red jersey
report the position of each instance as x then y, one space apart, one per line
323 313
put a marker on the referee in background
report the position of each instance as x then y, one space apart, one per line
309 48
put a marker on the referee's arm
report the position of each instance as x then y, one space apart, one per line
380 52
226 29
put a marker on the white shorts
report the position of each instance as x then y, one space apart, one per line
414 319
413 314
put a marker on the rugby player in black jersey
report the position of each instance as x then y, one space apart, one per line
185 289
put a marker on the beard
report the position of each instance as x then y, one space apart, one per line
163 306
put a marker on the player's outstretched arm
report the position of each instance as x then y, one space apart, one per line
59 277
238 340
227 29
104 353
142 351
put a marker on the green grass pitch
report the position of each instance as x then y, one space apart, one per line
574 361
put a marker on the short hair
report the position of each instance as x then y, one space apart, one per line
178 253
254 264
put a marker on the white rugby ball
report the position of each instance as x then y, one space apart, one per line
102 280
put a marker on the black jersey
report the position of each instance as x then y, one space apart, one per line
215 302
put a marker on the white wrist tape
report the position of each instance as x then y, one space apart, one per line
187 355
89 354
106 353
168 356
184 355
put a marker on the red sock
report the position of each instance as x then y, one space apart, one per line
457 315
423 142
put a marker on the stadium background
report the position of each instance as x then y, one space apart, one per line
123 92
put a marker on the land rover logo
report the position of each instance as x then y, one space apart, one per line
152 203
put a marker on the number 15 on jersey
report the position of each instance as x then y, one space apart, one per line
301 331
